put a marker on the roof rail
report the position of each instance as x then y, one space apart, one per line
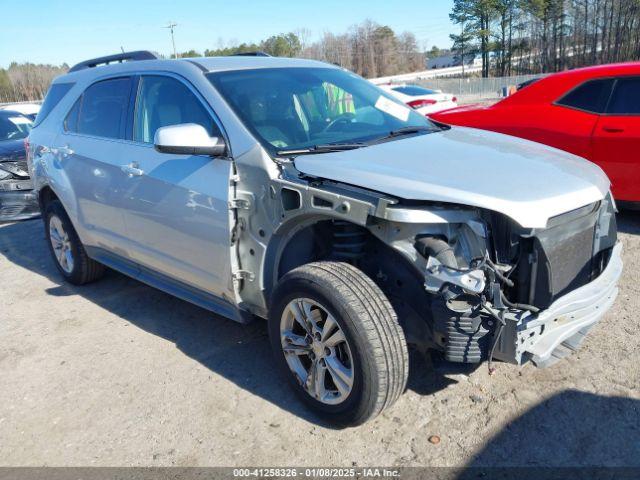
118 57
251 54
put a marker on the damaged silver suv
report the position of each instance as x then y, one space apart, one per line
296 191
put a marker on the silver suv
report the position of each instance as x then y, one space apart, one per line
298 192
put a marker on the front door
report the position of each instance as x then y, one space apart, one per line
177 215
616 140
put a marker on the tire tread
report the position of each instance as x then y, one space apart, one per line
377 322
86 270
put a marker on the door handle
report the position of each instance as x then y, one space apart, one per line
61 151
65 151
612 129
132 170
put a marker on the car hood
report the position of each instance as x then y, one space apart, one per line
526 181
11 150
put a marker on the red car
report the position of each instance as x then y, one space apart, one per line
592 112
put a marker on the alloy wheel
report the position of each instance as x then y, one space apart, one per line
61 244
317 351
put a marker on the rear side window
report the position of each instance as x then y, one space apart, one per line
626 97
71 121
104 108
414 90
591 96
56 92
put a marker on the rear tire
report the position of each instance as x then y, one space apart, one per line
67 250
371 355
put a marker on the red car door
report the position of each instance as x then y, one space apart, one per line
616 140
570 121
563 127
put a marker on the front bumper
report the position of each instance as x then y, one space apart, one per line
18 205
559 330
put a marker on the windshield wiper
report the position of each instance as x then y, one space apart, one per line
405 131
325 148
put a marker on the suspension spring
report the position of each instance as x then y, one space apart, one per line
349 241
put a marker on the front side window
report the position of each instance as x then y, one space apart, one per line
626 97
298 108
104 107
591 96
164 101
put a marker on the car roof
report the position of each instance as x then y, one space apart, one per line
204 64
551 87
216 64
606 69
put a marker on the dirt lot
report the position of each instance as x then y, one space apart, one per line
117 373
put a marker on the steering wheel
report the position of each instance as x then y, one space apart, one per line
342 118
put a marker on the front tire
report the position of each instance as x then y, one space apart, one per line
67 250
337 338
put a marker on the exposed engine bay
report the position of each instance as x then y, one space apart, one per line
465 281
487 276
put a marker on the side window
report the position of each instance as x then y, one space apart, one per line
56 92
104 108
164 101
71 120
591 96
626 97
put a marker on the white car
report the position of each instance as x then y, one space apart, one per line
29 110
421 99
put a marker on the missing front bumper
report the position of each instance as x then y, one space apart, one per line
560 329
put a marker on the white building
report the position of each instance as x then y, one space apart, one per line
448 61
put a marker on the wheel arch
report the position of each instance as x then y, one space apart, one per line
45 196
282 242
293 246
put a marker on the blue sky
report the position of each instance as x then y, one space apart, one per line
56 31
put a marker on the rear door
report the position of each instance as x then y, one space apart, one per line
571 120
616 139
177 214
90 150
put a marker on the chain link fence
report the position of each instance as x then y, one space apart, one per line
475 88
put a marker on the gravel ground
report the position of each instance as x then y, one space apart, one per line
119 374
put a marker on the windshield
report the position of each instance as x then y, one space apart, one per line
298 108
14 126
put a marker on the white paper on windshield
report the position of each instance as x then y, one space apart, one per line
392 108
19 120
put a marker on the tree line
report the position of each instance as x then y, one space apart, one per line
369 49
539 36
27 81
510 36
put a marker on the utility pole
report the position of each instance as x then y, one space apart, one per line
462 47
171 26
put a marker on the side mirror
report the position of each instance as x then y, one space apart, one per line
188 139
